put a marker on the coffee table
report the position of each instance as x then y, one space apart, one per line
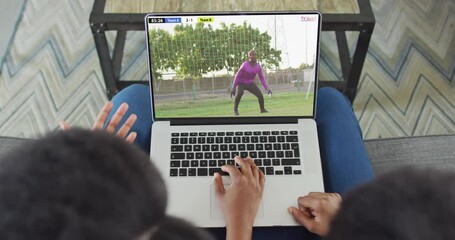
340 17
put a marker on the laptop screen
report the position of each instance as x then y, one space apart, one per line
233 65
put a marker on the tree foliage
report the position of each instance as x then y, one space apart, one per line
242 38
162 62
194 50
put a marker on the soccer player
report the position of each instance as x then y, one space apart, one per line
244 80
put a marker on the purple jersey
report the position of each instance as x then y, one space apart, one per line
247 73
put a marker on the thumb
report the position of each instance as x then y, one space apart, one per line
218 184
301 218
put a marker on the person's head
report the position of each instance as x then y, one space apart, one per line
82 184
252 55
410 203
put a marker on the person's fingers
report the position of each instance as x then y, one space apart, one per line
244 165
64 125
117 117
232 170
262 180
308 202
218 184
319 195
326 196
123 131
335 195
250 160
315 193
301 218
102 116
131 137
254 169
304 210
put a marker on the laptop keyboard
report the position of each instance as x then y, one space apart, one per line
203 153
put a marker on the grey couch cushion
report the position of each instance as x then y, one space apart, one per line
428 151
7 143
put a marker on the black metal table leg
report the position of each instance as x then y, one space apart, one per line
357 63
102 49
362 22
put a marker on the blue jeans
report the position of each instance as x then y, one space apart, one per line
345 162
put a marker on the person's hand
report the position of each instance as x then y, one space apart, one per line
233 93
113 123
269 92
240 201
316 211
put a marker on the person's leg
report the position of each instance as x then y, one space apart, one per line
345 161
138 98
238 97
253 88
344 158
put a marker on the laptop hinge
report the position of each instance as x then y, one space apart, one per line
270 120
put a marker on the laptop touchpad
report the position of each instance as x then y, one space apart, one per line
215 210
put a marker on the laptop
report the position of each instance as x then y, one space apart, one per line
200 123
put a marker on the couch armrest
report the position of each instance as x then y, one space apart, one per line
7 143
426 151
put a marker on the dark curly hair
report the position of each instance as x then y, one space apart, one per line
78 184
410 203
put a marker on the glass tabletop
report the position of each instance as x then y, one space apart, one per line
146 6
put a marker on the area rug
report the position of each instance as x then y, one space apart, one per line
51 70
